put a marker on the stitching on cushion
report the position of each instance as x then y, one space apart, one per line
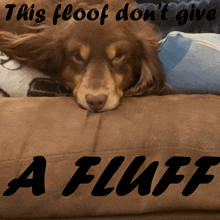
208 44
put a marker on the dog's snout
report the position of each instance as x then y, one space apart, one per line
96 103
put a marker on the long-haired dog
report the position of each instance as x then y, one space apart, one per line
100 63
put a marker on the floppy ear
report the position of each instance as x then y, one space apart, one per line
35 50
119 4
152 78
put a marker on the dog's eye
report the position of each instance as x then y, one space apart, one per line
77 58
119 57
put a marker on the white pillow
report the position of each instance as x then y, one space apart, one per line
15 78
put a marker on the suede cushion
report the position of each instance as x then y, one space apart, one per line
155 127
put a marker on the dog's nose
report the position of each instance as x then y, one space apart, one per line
96 103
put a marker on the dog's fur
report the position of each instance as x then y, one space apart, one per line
101 63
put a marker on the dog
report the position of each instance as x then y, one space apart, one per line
100 63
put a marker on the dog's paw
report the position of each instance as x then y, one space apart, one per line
48 88
3 93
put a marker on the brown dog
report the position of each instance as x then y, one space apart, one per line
101 63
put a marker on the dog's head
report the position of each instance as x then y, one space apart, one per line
101 63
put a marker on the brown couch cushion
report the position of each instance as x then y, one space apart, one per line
158 128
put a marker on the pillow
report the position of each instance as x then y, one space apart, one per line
17 80
191 62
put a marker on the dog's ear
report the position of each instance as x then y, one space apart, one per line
121 1
119 4
35 50
152 78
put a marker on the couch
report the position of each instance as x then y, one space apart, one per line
161 128
153 157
